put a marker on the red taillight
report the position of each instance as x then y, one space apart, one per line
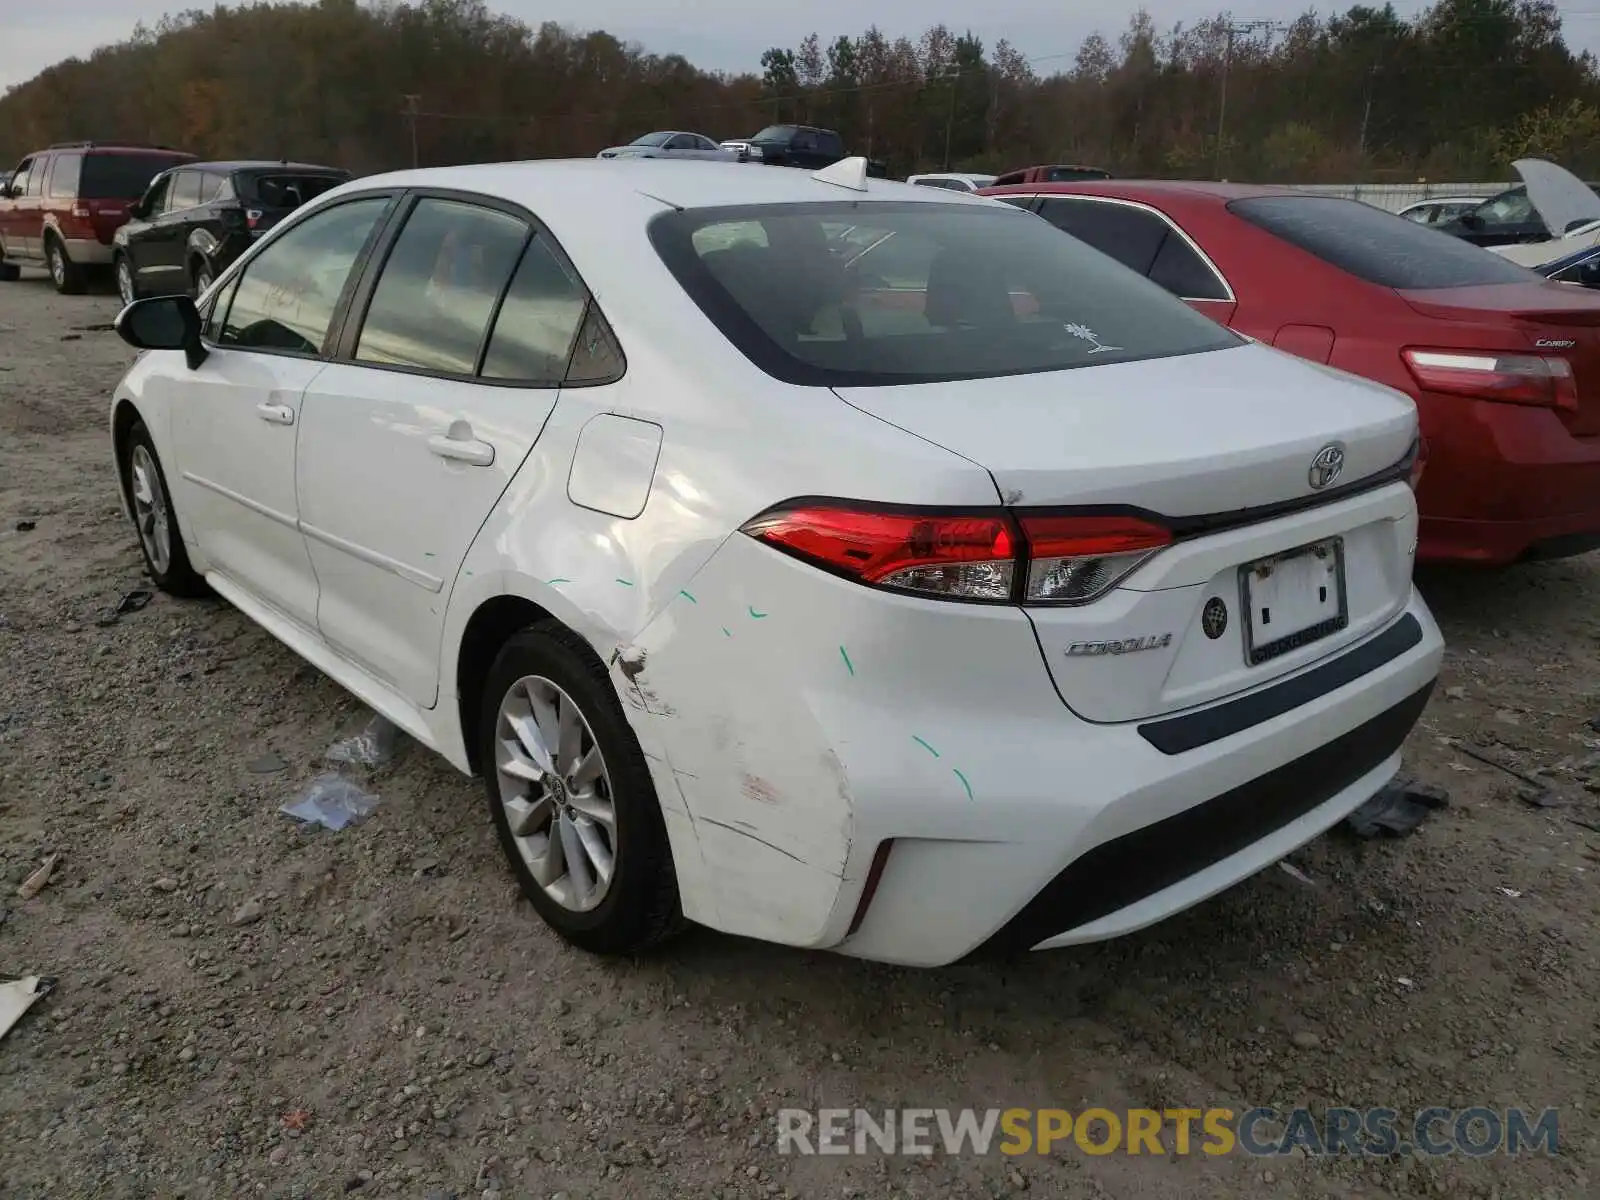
252 217
1419 461
80 210
968 557
1485 375
987 556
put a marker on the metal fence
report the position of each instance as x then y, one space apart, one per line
1395 196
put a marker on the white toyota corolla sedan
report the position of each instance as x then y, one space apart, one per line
830 561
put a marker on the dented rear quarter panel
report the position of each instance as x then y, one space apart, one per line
755 797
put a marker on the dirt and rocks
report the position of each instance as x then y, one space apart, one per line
248 1007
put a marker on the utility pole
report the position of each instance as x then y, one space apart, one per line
1234 29
952 72
413 104
1366 112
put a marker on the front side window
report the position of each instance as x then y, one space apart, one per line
18 183
288 293
895 292
651 139
1374 245
64 176
439 287
533 334
155 200
36 176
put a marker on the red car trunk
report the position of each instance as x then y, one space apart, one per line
1548 319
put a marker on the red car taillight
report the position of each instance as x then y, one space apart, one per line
1507 378
991 556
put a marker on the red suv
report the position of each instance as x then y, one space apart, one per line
60 207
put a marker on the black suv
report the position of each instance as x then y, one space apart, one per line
796 146
198 217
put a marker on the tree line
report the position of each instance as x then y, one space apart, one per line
1455 92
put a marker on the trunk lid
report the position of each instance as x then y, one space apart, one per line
1190 436
1537 317
1183 436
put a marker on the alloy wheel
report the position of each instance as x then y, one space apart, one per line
151 514
556 793
202 280
58 264
124 281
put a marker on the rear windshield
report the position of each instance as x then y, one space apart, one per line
1074 174
1375 245
122 176
864 294
285 189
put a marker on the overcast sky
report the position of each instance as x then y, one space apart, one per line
715 34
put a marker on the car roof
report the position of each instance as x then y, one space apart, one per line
252 164
110 148
579 190
1128 188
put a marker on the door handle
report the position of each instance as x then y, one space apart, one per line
460 446
275 414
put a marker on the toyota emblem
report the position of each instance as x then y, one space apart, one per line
1326 466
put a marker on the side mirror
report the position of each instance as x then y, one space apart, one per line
136 210
163 323
7 192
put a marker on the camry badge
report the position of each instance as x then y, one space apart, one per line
1153 641
1326 466
1555 343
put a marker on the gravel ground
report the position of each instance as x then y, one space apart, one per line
248 1007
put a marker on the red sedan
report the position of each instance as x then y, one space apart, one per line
1503 364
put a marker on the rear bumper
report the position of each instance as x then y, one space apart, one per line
1131 836
1505 482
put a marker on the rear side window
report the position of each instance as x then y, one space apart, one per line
210 185
288 293
1183 273
830 143
1376 246
185 190
64 177
533 334
287 190
895 292
439 287
1132 236
122 176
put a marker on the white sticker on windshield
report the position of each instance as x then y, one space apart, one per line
1090 336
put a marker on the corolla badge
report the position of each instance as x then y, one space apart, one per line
1152 641
1327 466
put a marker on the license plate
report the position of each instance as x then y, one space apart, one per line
1293 599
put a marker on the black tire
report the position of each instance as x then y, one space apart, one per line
200 276
179 578
127 289
9 271
640 909
64 273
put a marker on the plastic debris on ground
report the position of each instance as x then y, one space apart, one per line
1397 809
131 602
17 996
367 741
331 801
34 883
1294 872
